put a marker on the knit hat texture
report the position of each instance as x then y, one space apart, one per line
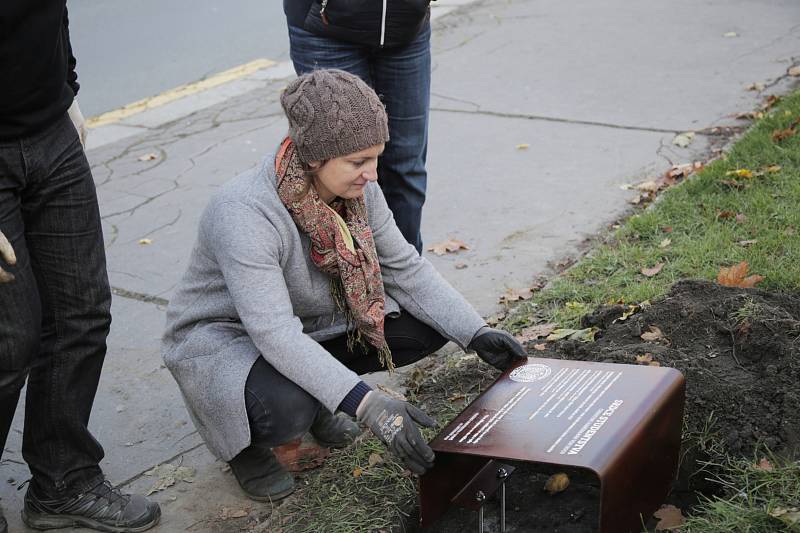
333 113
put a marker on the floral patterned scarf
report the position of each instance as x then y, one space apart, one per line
342 247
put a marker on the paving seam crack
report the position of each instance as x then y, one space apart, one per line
524 116
168 460
132 295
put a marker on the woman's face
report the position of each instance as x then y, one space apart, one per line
347 176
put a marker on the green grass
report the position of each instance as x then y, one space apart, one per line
753 496
700 240
335 500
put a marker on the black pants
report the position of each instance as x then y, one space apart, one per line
55 316
279 410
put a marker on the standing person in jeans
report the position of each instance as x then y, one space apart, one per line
386 44
54 293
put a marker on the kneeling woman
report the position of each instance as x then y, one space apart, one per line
299 282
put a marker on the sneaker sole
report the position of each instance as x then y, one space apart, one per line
49 521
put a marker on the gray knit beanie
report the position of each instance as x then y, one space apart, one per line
333 113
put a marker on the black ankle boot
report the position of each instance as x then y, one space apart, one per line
102 508
260 474
333 431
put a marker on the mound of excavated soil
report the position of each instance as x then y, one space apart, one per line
739 350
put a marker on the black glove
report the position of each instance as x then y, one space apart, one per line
395 423
497 348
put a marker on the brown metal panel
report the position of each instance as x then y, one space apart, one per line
621 421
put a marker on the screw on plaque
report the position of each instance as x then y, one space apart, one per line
480 497
502 474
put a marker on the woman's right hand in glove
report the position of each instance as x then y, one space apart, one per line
7 255
395 423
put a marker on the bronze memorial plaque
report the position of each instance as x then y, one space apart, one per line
622 422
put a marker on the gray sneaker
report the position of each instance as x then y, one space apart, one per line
102 508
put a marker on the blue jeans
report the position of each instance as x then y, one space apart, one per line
55 316
402 78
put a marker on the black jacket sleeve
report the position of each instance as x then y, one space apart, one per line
72 75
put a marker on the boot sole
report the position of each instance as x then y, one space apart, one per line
50 521
270 498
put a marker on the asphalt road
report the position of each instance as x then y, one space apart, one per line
130 50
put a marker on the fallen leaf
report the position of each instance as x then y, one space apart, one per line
540 347
740 173
667 229
357 471
648 186
740 217
456 397
757 86
665 243
557 483
735 276
790 231
683 139
374 459
653 363
770 102
448 246
537 331
148 157
764 465
733 184
779 135
169 474
794 71
725 214
460 266
145 241
789 516
730 34
515 295
773 168
227 513
669 517
523 146
650 272
747 242
644 359
586 335
653 334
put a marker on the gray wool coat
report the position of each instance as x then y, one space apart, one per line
251 291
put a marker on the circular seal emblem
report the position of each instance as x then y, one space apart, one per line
530 372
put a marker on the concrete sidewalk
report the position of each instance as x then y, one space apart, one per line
597 90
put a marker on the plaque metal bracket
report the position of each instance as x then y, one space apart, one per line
481 487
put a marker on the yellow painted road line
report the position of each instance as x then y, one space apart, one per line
178 92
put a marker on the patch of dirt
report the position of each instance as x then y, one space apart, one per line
739 350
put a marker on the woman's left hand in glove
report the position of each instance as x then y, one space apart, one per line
496 347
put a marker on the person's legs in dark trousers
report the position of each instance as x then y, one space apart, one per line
279 410
402 77
55 316
409 341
